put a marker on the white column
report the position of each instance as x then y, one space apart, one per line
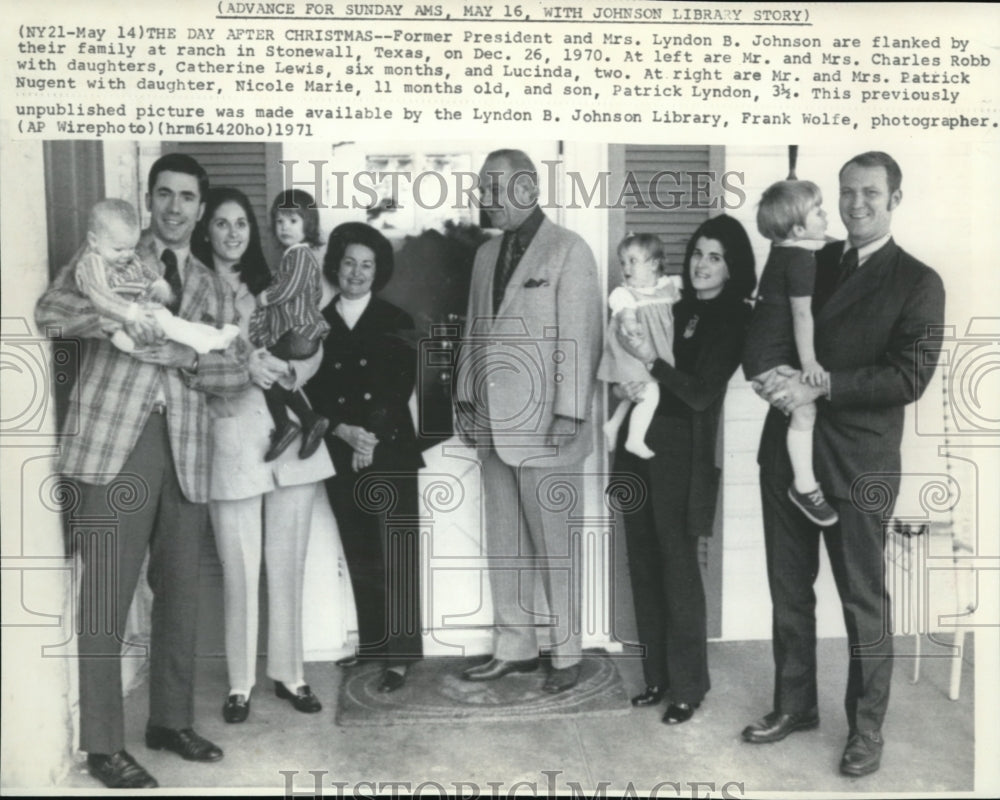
39 676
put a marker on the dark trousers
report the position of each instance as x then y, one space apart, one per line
380 535
291 346
666 578
855 547
144 507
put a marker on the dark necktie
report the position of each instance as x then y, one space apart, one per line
848 266
510 255
173 277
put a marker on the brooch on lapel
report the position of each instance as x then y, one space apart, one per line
532 283
691 327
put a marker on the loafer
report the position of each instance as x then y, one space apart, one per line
391 681
185 742
863 754
312 437
236 708
560 680
776 726
280 439
650 696
119 771
302 698
677 713
496 668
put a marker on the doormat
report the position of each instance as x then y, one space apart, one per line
435 692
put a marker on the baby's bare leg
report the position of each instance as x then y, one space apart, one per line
642 416
612 426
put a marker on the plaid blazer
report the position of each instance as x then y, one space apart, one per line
117 392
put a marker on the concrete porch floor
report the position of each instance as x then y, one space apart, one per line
929 741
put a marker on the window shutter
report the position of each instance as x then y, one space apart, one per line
684 212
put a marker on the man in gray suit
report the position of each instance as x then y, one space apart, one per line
524 385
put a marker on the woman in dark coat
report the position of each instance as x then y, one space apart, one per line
363 387
681 480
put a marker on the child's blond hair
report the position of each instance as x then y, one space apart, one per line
784 205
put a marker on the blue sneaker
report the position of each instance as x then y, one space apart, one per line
813 504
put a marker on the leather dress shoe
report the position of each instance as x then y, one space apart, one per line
347 661
391 681
280 439
497 668
560 680
119 771
312 437
302 698
185 742
776 726
236 708
650 696
863 754
677 713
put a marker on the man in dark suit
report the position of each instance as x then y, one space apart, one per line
524 384
873 303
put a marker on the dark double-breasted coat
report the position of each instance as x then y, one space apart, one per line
366 378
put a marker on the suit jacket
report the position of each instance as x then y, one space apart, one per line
538 357
117 392
366 378
866 335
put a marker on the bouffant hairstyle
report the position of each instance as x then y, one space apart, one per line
350 233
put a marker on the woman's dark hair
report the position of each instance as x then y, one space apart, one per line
252 269
295 201
736 250
350 233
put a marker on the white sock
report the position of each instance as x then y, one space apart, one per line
800 452
642 416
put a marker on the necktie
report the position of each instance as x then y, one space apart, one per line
506 264
173 277
848 266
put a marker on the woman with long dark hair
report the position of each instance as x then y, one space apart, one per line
250 496
681 479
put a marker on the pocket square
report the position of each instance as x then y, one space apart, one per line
533 283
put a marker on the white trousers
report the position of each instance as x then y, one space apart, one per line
239 533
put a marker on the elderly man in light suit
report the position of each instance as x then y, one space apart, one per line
525 380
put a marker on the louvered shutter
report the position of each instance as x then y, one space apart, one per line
672 224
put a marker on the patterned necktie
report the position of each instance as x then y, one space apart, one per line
173 277
848 266
506 264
